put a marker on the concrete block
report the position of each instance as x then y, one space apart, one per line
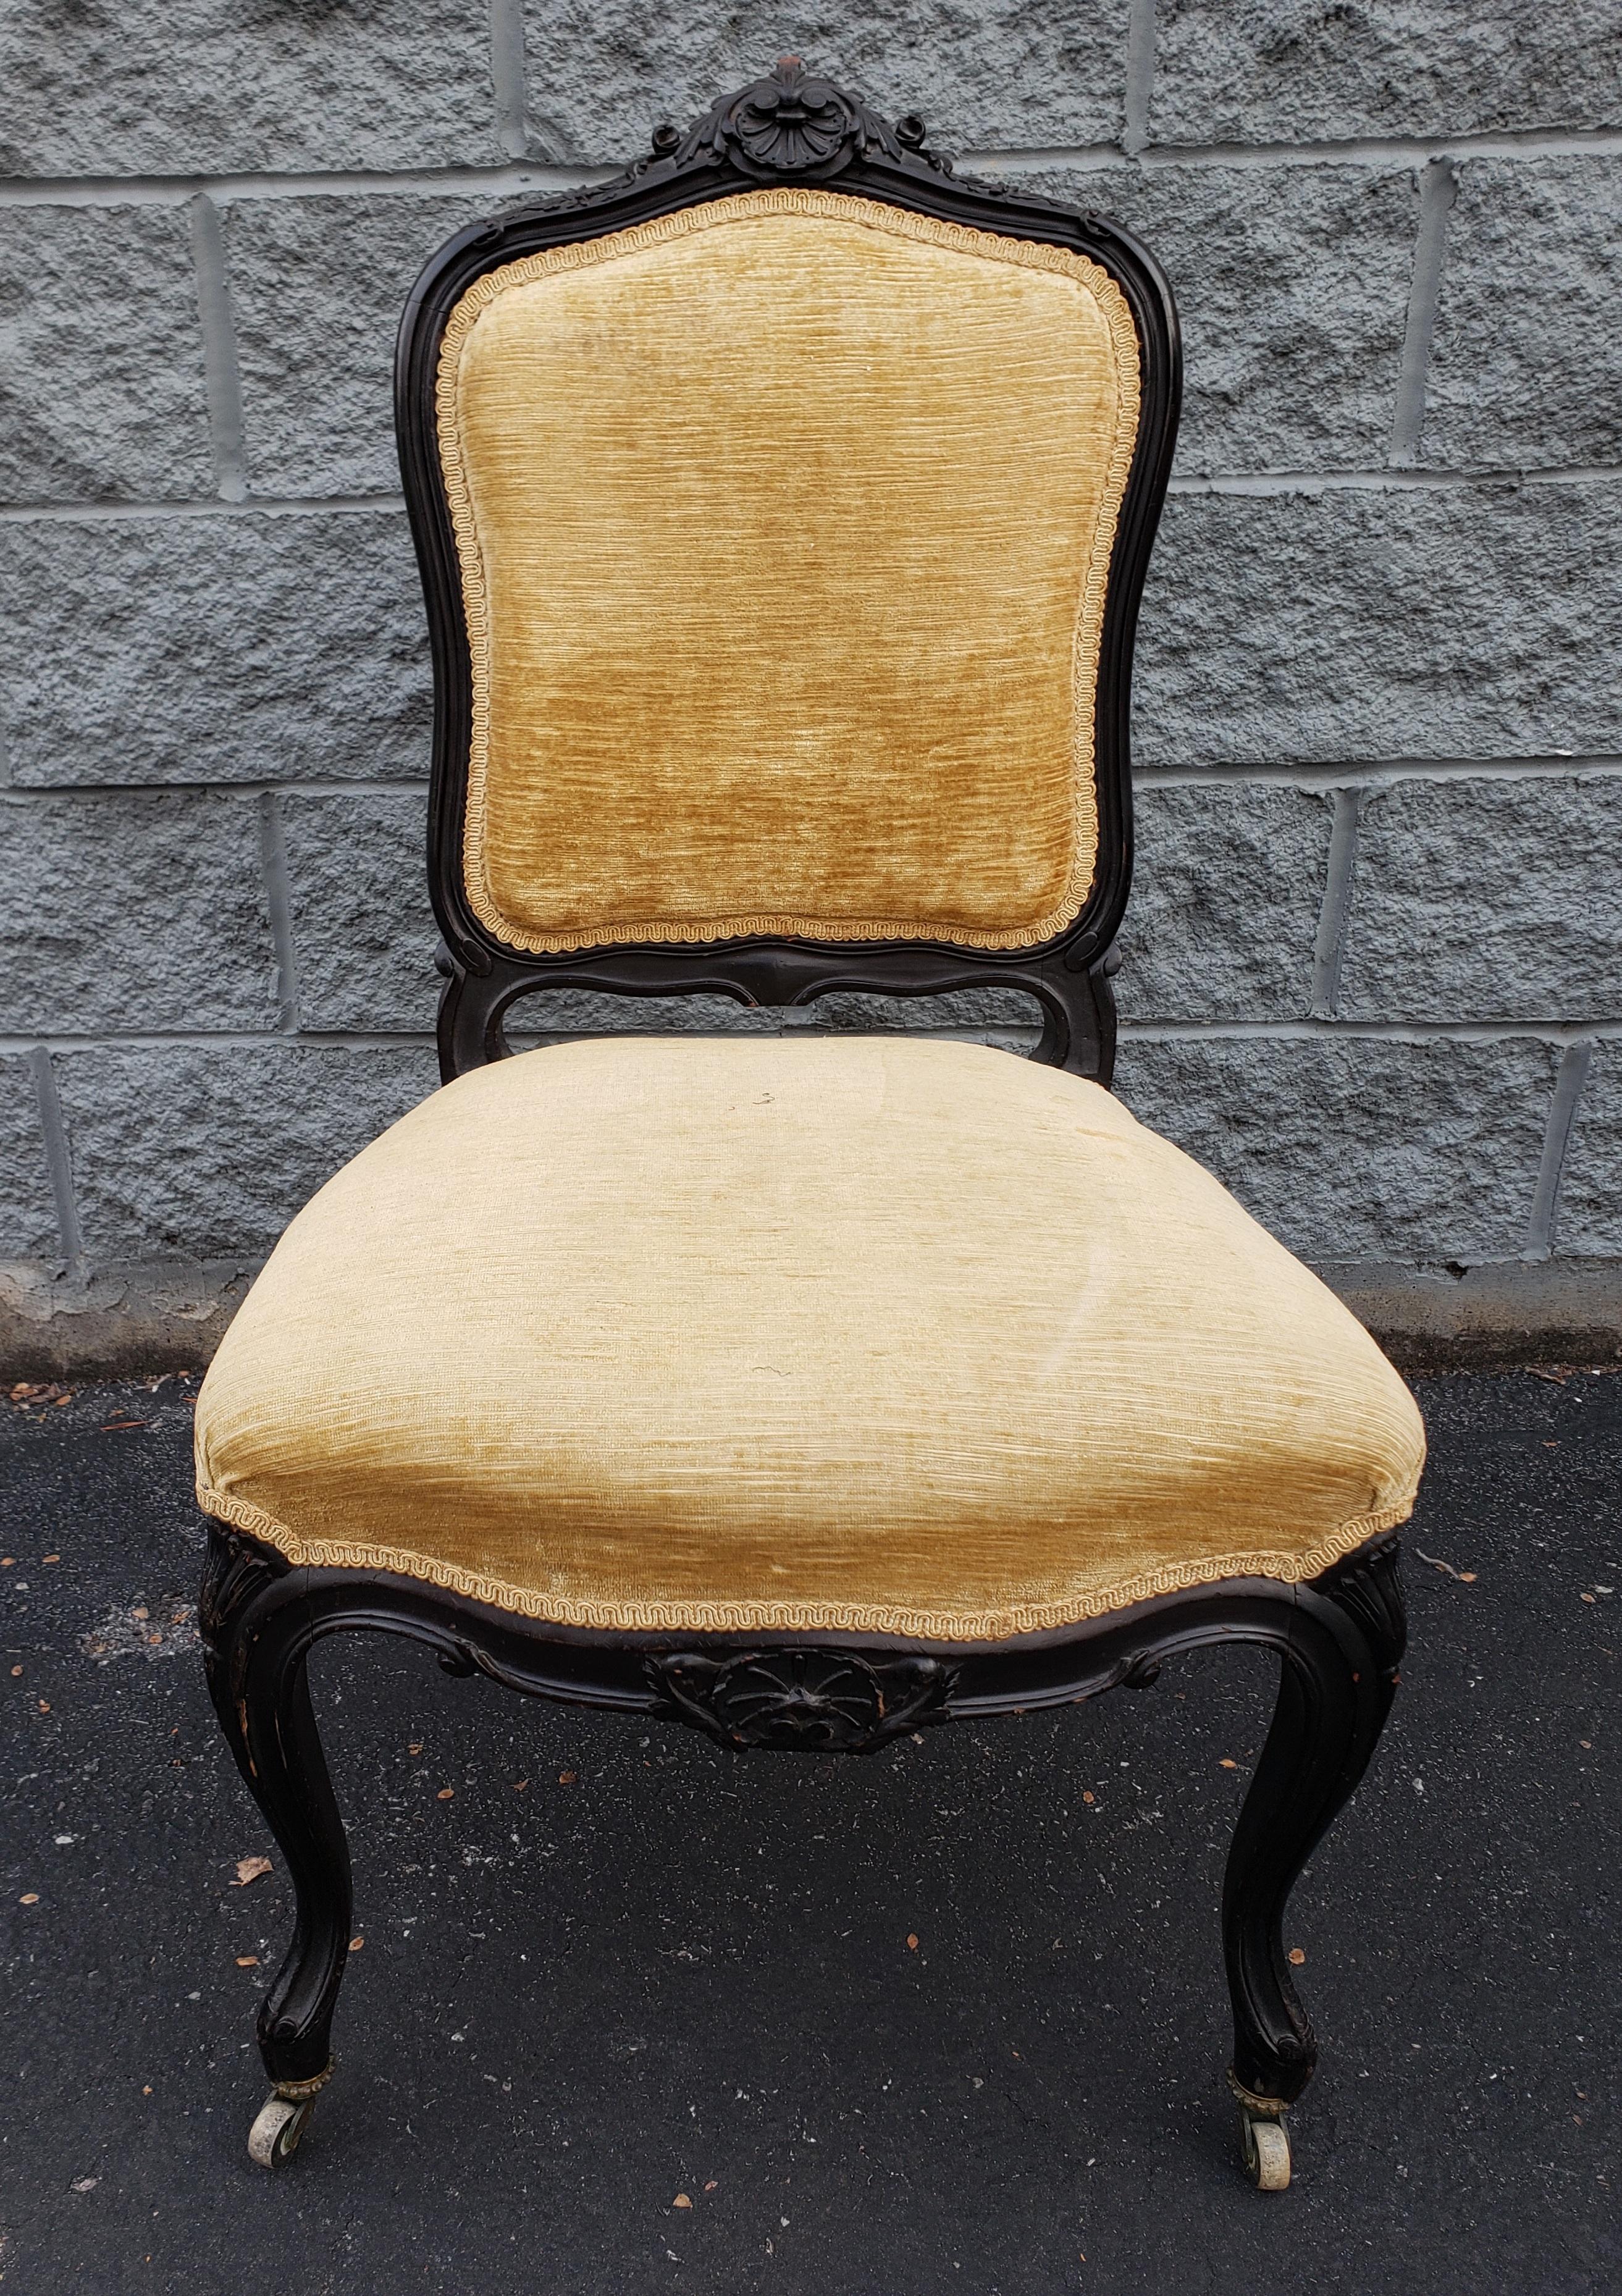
167 1314
1487 900
994 1015
210 1150
207 86
1226 891
1357 1148
1588 1211
317 288
102 392
1490 1317
997 76
1293 71
1292 286
552 1014
236 647
1474 622
145 911
1526 368
28 1208
363 934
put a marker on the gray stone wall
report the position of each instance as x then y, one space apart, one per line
1372 969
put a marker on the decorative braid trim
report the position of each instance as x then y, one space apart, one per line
719 1618
901 224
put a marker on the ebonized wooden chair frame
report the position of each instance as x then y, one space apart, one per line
1339 1639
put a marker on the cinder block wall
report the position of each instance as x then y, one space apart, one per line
1373 970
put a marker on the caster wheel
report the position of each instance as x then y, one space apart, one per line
274 2138
1266 2144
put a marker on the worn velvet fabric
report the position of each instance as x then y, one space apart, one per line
863 1334
784 527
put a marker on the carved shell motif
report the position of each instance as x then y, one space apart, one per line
793 120
795 123
815 1701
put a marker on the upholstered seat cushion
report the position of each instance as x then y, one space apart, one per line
863 1332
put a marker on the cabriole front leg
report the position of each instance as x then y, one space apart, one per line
255 1643
1338 1674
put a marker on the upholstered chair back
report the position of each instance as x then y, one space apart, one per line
783 529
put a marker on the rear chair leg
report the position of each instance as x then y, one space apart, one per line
1337 1675
255 1642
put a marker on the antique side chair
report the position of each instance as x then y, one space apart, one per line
783 509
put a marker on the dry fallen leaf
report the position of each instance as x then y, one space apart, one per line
1088 1797
711 2187
680 2201
567 1777
912 1942
446 1792
413 1750
147 2090
50 1558
355 1944
518 1788
28 1897
248 1961
140 1612
1226 1764
15 1671
248 1869
45 1703
1296 1956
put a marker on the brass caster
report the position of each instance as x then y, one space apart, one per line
281 2122
1265 2138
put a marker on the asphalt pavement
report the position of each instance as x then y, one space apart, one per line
628 2013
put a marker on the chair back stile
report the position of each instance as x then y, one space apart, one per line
782 508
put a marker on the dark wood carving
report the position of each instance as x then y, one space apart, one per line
236 1573
794 124
1370 1587
790 126
255 1676
811 1700
1337 1643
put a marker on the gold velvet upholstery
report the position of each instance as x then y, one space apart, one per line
861 1333
785 526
